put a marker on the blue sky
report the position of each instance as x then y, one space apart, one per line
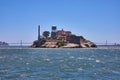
96 20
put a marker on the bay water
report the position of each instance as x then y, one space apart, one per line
59 64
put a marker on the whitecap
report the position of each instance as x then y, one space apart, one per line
93 65
95 73
47 59
72 57
80 69
116 72
23 75
3 71
27 63
97 61
90 59
21 58
61 60
79 58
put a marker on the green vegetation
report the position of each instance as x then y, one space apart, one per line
46 33
60 43
73 35
38 43
81 37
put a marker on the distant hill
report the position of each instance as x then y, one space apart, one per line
3 43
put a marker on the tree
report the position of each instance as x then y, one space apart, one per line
38 43
46 33
73 35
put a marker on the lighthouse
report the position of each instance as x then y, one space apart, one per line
38 32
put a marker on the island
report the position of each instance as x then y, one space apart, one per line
3 43
61 39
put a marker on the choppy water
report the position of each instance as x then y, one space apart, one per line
59 64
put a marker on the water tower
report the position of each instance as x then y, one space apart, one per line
54 31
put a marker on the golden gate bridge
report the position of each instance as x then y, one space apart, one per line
21 43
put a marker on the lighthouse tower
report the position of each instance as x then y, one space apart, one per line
38 32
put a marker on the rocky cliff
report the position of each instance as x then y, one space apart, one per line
83 43
86 43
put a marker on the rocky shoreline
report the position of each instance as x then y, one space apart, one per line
54 44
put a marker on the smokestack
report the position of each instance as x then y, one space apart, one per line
38 32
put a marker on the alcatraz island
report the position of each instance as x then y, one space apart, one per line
61 39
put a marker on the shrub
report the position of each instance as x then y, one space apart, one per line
86 45
60 43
